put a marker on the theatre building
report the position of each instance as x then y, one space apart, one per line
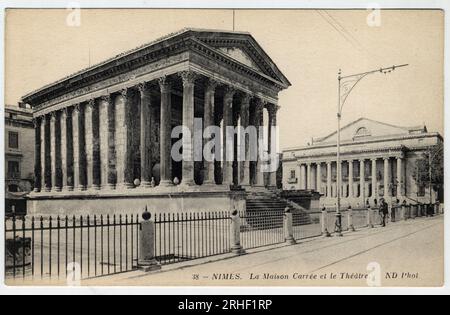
378 160
103 135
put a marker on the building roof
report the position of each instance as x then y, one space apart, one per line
212 38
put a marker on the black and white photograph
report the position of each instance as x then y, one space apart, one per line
223 147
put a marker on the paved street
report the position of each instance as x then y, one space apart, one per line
408 253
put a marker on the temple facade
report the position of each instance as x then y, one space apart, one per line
378 161
103 135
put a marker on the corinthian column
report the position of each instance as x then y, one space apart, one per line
259 122
399 177
188 78
386 177
78 149
146 127
55 152
329 177
362 181
37 154
64 171
228 149
106 136
166 127
91 141
319 177
273 109
209 121
245 122
374 178
350 179
123 141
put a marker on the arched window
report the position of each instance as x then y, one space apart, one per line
362 132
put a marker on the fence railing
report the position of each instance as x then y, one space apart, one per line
187 236
54 247
261 228
93 246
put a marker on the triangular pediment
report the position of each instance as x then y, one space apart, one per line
243 48
363 129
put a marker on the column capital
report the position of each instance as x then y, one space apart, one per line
142 88
76 108
229 92
373 159
65 111
105 98
124 93
90 104
53 116
188 77
164 84
272 109
386 158
211 85
246 98
36 122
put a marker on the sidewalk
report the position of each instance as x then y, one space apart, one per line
409 253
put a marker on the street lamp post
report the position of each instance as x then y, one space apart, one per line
346 85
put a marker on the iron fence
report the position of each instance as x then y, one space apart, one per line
261 228
188 236
307 224
90 246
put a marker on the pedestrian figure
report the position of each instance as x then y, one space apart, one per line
384 211
394 209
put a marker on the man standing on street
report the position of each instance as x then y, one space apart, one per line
384 211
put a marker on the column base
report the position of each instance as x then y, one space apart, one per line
145 184
238 250
124 186
148 265
166 183
36 190
95 187
47 189
291 241
56 189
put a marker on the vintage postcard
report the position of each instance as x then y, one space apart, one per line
224 147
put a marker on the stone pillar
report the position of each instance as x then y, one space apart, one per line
386 177
289 228
273 109
145 136
37 155
362 181
89 136
303 184
319 177
329 194
245 122
399 177
259 122
374 179
147 261
123 141
78 149
188 78
210 92
106 137
350 179
228 149
53 147
235 234
64 164
309 176
166 130
44 149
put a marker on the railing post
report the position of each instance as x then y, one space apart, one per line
289 227
351 227
325 231
236 246
404 215
147 261
436 208
369 217
413 211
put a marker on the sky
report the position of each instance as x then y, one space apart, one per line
308 46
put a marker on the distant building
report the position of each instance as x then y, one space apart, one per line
378 160
19 156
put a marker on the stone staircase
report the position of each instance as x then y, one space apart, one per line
263 200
